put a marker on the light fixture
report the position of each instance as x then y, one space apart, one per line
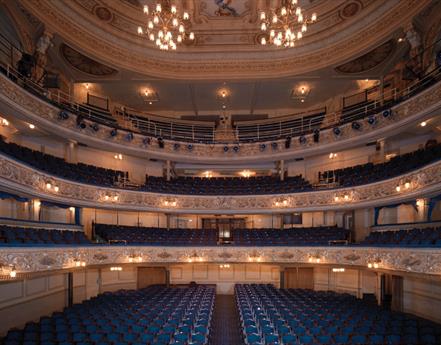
115 198
224 266
336 198
398 188
420 202
79 263
13 272
247 173
423 124
56 188
116 268
4 122
87 86
301 92
285 25
346 197
374 263
407 185
314 258
166 26
118 156
71 209
332 155
135 258
207 174
170 202
31 126
338 269
48 185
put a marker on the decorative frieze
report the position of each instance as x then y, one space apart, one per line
26 180
416 260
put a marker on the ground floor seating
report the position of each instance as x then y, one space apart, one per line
155 315
295 316
22 236
426 237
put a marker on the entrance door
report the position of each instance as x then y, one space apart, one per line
299 278
151 276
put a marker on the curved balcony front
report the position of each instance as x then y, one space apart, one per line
416 106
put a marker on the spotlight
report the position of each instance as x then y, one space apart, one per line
146 141
387 113
302 140
176 146
372 120
113 132
129 136
316 135
226 148
274 145
288 142
262 147
80 122
190 147
356 125
95 127
63 115
161 143
236 149
337 131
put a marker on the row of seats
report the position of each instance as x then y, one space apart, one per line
270 316
15 235
351 176
227 185
425 237
369 172
209 237
155 236
316 236
79 172
155 315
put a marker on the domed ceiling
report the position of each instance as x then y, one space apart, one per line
226 44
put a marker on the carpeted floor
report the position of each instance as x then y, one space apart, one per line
225 324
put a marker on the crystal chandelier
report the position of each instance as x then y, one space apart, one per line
285 25
166 27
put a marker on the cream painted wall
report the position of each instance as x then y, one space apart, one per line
422 298
27 300
224 278
353 281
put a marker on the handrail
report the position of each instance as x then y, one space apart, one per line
260 130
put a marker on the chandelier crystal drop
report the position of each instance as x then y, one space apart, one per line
166 26
285 25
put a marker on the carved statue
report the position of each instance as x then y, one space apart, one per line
43 44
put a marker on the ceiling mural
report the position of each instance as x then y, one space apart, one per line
84 63
369 60
224 8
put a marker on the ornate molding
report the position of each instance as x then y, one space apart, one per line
414 260
113 44
14 99
20 178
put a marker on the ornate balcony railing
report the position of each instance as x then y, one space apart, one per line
33 260
17 177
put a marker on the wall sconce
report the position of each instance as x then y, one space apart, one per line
332 155
135 258
281 203
9 270
420 202
254 256
314 258
374 263
79 263
118 156
116 268
4 122
224 266
50 186
398 188
108 197
170 203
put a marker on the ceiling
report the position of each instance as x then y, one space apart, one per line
226 46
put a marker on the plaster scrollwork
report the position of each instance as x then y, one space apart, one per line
17 176
46 116
27 260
